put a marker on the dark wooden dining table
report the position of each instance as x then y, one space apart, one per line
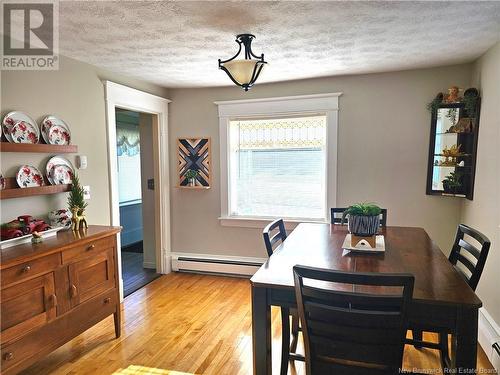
441 299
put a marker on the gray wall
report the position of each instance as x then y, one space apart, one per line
483 212
76 94
382 154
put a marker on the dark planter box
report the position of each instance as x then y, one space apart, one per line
363 226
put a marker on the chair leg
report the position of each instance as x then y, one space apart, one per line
444 355
295 330
285 340
417 335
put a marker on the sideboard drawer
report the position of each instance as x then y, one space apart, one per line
30 269
23 352
88 249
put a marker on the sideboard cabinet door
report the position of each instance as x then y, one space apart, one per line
27 305
92 276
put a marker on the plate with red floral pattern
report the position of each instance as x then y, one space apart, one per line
59 161
24 132
14 117
29 176
55 131
61 174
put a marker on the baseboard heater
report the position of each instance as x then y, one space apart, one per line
496 356
219 266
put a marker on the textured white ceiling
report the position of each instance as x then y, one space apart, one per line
177 44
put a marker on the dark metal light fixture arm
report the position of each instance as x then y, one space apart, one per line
245 41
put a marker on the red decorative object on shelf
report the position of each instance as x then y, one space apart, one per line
23 225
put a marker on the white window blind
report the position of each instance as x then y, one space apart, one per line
277 167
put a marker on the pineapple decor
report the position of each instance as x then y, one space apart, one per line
77 205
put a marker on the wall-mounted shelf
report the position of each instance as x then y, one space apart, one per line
194 187
13 191
38 147
456 177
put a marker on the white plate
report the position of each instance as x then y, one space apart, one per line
61 174
29 176
55 137
379 245
57 160
10 120
24 132
2 182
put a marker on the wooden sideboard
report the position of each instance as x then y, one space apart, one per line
53 291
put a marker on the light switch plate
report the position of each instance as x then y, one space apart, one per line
86 192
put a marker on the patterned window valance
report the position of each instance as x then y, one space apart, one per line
128 141
280 133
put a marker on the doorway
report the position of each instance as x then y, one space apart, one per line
136 198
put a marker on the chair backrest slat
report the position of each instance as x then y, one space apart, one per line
336 216
271 240
351 299
357 329
461 246
466 262
470 248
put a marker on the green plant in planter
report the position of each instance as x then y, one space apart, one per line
76 194
190 174
452 182
362 209
363 218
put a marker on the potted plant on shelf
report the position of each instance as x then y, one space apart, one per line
191 175
363 219
452 184
77 204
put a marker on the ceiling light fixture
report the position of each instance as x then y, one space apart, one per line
243 72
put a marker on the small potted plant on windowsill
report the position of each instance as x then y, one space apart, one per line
191 175
363 219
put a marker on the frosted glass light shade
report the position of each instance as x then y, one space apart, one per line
241 70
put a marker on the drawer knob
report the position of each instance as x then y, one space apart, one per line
8 356
26 269
107 300
90 247
73 291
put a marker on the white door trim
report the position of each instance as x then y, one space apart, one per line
117 95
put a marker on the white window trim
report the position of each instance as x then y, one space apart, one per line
327 104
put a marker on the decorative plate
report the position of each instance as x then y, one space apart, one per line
60 218
364 247
2 182
62 135
24 132
57 161
59 135
61 175
12 118
29 176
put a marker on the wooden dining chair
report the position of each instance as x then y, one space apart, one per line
349 331
469 261
272 241
274 234
336 216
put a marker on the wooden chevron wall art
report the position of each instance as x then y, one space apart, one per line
194 154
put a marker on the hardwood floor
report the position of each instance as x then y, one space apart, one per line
184 324
135 276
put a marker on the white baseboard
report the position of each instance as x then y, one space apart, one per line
216 264
489 334
149 265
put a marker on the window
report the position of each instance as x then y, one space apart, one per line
128 162
274 158
277 167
